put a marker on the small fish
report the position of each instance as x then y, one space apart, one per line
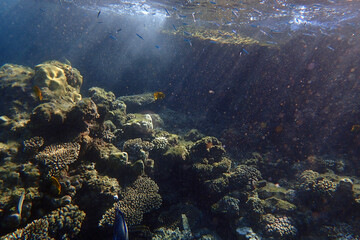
98 15
187 33
56 184
193 15
185 24
189 41
38 93
212 2
182 16
244 50
139 36
174 8
42 10
209 145
269 42
355 128
112 37
331 48
119 30
279 129
159 95
120 228
167 12
157 46
174 27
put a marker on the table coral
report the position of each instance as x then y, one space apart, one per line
139 198
58 157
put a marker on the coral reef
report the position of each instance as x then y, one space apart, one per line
137 103
280 227
33 144
57 80
60 151
57 157
139 198
64 223
137 125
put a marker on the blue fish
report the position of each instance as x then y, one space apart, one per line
167 12
98 15
174 27
188 40
157 46
212 2
245 51
112 37
139 36
187 33
120 228
182 16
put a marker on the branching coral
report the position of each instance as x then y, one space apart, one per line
58 157
139 198
63 223
33 144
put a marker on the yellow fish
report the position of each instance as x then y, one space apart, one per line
56 184
38 93
159 95
263 125
355 128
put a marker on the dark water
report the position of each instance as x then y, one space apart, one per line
278 76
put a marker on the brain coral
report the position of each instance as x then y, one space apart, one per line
59 79
139 198
58 157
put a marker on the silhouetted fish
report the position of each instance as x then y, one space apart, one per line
98 15
120 227
139 36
